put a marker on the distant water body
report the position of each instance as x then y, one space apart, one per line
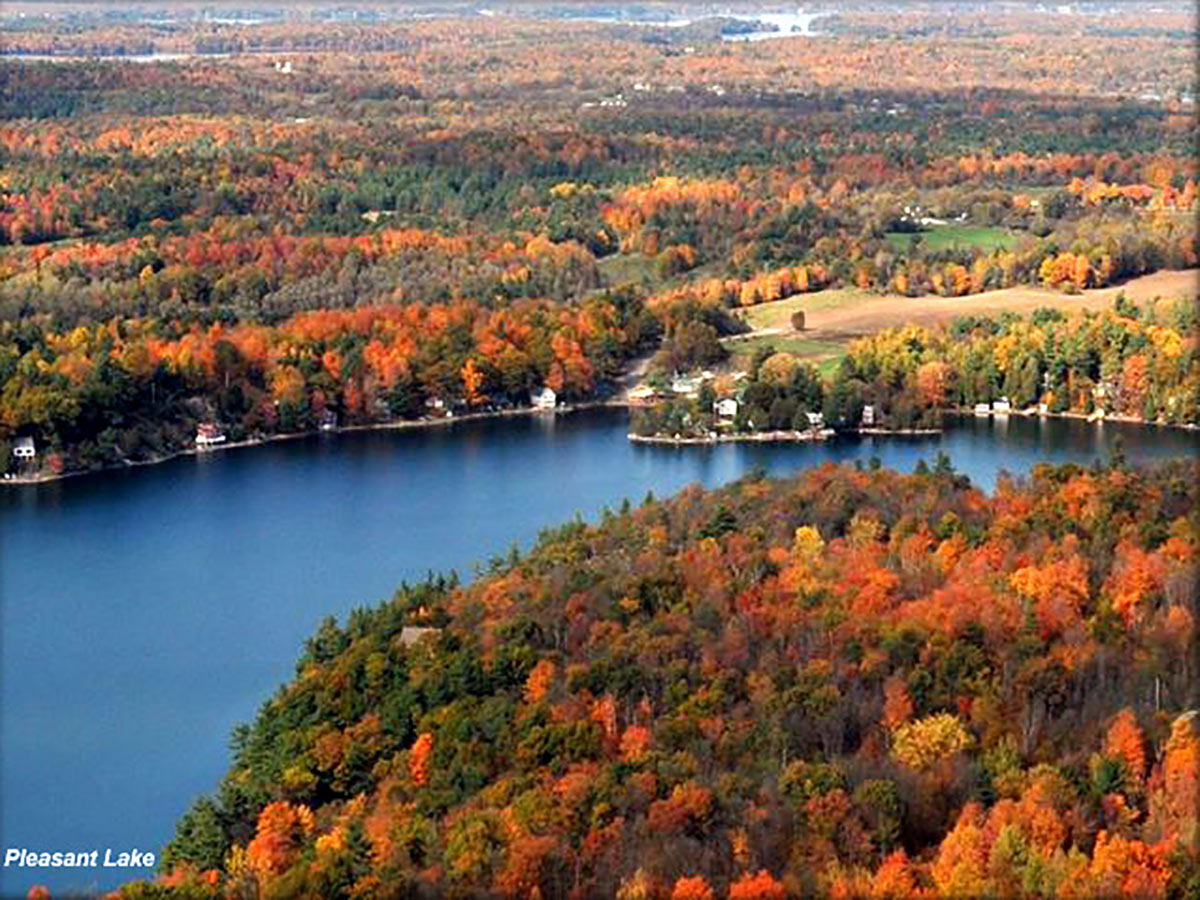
146 612
785 24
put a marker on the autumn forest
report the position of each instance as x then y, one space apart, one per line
850 684
239 225
363 226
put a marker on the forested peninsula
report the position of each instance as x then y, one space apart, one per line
847 683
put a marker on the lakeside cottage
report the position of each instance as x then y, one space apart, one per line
982 409
1001 407
208 435
686 385
868 416
642 393
816 420
726 408
544 399
24 449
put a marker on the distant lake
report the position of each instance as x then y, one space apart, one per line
146 612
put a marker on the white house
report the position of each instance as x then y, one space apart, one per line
688 386
24 448
868 416
642 393
544 399
1001 407
982 409
208 435
816 420
726 408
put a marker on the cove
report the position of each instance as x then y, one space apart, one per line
144 613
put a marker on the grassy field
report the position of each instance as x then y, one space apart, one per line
835 317
642 270
824 353
946 237
628 268
846 309
779 313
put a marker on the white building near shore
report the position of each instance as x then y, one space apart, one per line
544 399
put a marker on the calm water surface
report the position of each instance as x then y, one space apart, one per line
146 612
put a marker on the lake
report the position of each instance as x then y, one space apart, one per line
146 612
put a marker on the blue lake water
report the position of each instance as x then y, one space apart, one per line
146 612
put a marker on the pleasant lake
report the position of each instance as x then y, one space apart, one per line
145 612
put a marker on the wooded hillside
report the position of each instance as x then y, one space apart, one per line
845 684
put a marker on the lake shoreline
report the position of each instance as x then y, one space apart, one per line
762 437
614 402
1082 417
400 425
898 432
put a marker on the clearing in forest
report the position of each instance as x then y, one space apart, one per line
949 237
835 317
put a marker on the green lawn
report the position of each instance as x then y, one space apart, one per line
637 268
946 237
824 353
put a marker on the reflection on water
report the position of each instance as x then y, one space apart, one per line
145 612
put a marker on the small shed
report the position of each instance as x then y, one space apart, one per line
25 448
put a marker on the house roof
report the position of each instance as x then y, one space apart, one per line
410 634
24 443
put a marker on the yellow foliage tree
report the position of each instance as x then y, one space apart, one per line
924 742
